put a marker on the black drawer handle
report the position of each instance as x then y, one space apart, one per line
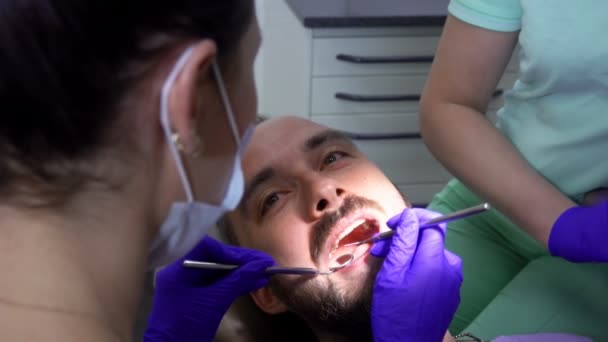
384 136
383 59
389 98
377 98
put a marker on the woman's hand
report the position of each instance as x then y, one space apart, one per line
189 303
580 234
417 290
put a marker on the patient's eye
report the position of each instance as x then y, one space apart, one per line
333 157
268 202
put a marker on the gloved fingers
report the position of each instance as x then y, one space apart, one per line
212 250
208 249
452 259
381 248
580 234
403 242
402 247
394 221
197 277
425 215
455 263
205 248
430 251
248 277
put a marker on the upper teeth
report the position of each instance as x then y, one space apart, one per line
348 230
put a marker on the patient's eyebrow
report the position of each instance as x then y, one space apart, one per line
326 136
263 176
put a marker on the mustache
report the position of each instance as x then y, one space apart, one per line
323 227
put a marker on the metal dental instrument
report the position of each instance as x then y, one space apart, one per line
457 215
351 257
270 270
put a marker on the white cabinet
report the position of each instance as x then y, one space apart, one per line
365 81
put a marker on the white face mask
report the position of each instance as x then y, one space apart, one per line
187 222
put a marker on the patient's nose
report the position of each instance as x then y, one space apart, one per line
326 196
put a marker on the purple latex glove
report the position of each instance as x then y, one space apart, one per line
417 290
189 303
580 234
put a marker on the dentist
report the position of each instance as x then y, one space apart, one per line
121 133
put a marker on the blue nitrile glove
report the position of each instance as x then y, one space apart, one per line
417 290
580 234
189 303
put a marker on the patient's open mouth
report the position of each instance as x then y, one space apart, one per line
359 230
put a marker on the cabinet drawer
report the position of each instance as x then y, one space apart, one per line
404 161
351 56
420 194
378 94
372 123
325 92
368 55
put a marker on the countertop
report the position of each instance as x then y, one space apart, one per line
369 13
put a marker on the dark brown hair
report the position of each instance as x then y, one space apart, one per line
66 65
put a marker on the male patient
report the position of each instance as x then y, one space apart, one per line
308 188
309 191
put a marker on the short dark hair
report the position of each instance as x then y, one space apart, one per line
65 66
224 225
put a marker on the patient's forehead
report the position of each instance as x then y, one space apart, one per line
282 137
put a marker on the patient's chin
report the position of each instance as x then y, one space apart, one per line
338 304
353 280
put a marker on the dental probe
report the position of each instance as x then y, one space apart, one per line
313 271
441 219
269 270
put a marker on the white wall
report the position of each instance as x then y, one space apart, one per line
283 63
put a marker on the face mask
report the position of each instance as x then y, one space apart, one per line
187 222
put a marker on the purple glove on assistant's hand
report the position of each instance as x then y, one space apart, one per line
189 303
580 234
417 290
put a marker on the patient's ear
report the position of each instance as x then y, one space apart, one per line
268 302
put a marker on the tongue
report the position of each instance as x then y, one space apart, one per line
358 234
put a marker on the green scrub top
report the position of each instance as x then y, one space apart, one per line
556 115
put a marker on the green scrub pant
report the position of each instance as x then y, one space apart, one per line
494 251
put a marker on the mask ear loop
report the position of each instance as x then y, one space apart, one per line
226 101
166 125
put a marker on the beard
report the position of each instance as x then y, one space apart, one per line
326 308
329 309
